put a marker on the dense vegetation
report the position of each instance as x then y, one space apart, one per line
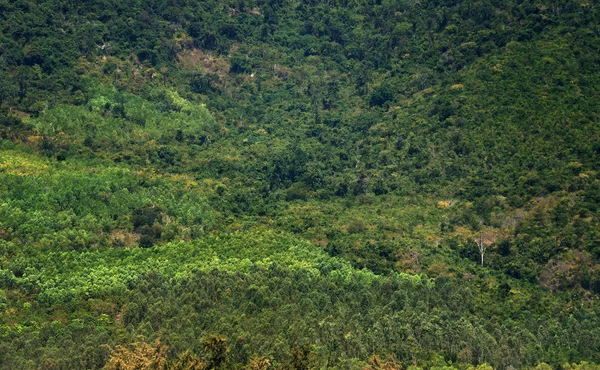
294 185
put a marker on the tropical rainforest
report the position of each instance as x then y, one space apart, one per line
300 184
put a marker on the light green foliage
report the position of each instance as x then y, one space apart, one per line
97 274
580 366
111 115
300 184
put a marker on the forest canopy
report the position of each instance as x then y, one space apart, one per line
252 184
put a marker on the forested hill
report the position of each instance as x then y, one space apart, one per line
280 184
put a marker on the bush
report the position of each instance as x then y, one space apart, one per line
380 96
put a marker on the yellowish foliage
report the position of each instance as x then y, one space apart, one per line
21 165
34 140
581 366
442 204
376 363
497 68
231 158
188 361
408 261
439 269
259 363
142 356
185 179
461 232
122 237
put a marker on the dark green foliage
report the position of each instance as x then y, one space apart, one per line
201 83
146 216
240 64
143 145
381 95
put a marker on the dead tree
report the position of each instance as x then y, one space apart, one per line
482 247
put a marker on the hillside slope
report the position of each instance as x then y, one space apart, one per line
299 184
